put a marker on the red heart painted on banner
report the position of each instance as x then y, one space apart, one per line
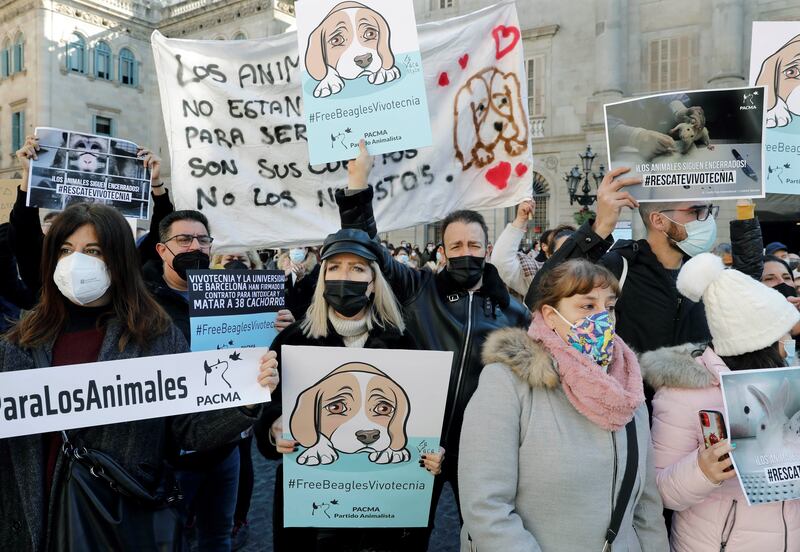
498 175
463 60
520 169
504 32
444 80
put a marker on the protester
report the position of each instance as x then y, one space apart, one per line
429 254
548 432
437 262
652 313
302 272
778 276
243 260
544 252
94 308
28 234
353 306
454 310
14 296
698 483
777 249
401 255
515 267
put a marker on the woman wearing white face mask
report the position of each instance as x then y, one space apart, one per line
556 440
94 307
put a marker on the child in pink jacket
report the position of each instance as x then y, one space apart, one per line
747 320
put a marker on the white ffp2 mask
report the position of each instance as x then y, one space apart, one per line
81 278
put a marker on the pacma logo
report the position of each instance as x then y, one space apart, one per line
748 102
221 367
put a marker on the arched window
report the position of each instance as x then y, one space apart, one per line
240 36
5 54
19 54
76 54
127 68
102 61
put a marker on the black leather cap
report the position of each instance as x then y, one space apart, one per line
348 240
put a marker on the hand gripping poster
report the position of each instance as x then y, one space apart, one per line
697 145
363 418
775 64
77 167
763 418
362 76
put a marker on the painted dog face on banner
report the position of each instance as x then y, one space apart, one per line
488 114
355 408
351 41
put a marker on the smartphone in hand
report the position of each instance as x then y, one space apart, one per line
713 425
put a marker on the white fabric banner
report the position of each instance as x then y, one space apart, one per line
100 393
236 132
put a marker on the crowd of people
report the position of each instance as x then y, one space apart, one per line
579 367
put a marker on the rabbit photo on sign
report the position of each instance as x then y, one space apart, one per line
775 429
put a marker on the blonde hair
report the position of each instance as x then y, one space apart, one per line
383 310
251 254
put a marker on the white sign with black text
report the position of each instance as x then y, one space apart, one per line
100 393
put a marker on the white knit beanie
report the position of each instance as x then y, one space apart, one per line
743 314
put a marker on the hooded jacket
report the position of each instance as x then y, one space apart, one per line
535 474
687 380
442 316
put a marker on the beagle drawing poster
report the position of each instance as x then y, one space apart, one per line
362 417
362 76
775 64
696 145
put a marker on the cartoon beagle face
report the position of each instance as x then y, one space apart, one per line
355 408
780 73
351 41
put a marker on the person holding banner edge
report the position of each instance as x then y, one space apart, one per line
699 483
352 306
453 310
94 309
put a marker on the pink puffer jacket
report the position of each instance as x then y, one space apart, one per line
706 515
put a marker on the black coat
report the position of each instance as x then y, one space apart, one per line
140 447
651 314
378 338
171 301
441 316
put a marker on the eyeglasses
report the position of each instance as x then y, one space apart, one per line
185 240
701 211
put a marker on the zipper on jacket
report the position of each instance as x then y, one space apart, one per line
463 362
785 529
677 319
727 530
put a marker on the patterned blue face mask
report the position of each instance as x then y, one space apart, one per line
593 336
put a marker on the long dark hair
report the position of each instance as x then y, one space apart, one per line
768 357
141 317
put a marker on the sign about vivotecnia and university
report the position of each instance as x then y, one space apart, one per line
231 309
100 393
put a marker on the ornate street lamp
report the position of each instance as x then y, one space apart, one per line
574 177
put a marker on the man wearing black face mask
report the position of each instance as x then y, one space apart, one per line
454 310
184 244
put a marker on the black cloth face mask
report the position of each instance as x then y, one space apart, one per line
466 271
786 290
236 265
190 260
347 297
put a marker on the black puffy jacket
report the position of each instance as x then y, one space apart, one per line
651 314
441 316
